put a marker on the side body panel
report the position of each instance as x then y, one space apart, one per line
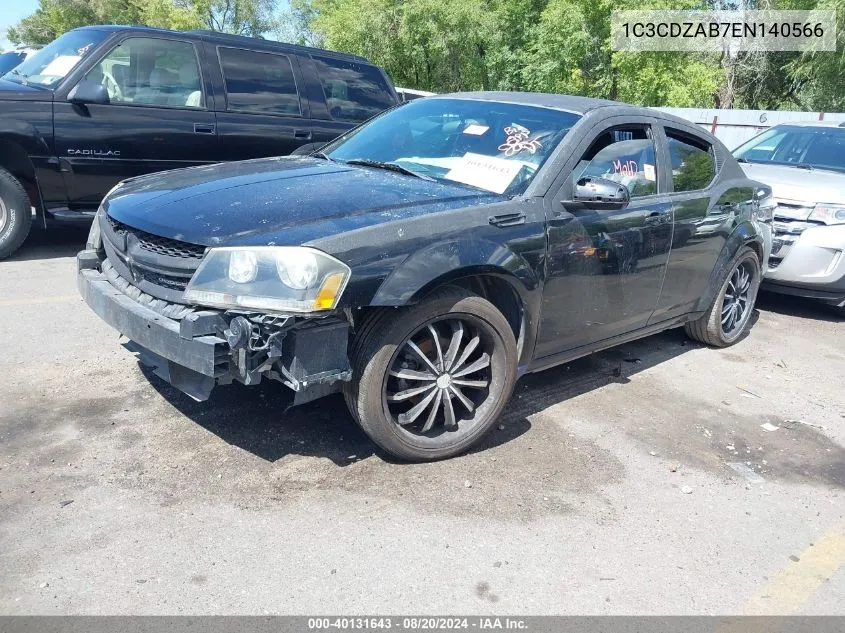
396 263
707 225
605 269
26 147
99 145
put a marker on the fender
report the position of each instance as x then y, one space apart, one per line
19 142
445 261
744 234
25 135
450 261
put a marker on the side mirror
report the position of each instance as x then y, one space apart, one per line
87 91
600 194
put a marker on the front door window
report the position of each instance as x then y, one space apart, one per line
151 71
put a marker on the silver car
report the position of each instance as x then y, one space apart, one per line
804 165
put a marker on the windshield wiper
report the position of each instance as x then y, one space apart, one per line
366 162
324 156
806 166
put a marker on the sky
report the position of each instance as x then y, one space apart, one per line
12 12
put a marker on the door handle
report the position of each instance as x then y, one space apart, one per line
304 135
507 219
204 128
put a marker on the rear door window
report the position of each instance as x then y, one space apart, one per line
259 82
693 164
354 92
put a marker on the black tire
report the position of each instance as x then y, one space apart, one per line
383 348
15 214
711 328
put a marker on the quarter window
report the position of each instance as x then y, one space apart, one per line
693 166
354 92
624 155
151 71
259 82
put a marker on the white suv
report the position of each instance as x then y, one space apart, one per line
804 164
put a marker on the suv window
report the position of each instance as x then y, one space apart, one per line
693 165
625 155
151 71
354 92
258 82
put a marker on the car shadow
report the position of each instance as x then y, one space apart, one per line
56 241
787 305
258 419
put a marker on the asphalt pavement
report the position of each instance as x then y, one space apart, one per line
661 477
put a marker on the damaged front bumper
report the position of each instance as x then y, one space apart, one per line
210 347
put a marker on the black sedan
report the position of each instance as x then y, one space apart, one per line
424 261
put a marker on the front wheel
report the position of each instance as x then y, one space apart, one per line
729 316
431 379
15 214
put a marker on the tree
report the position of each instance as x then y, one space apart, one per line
541 45
243 17
54 17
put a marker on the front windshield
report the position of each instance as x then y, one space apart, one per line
488 145
801 146
52 63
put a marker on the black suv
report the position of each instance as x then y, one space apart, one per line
425 260
105 103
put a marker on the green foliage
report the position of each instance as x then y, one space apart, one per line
54 17
564 46
541 45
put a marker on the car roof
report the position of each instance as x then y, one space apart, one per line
568 103
227 38
582 105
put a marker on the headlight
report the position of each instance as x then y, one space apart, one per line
268 278
829 213
766 205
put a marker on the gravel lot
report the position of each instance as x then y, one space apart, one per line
609 490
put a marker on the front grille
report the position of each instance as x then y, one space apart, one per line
156 265
157 244
786 231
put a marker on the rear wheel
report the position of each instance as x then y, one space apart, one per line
430 380
15 214
729 316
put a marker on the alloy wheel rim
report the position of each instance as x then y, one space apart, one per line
736 305
439 377
3 214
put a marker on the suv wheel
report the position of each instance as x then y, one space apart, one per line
729 316
431 379
15 214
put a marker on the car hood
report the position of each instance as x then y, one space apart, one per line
13 91
287 200
794 184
